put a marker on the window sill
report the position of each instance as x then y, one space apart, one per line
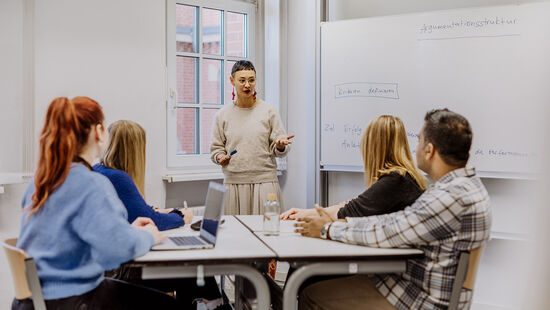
14 178
184 177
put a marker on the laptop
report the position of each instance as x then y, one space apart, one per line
209 227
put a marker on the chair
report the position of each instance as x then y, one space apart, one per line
466 272
24 274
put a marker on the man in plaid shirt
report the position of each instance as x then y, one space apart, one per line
453 215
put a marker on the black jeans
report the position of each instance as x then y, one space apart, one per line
111 294
186 288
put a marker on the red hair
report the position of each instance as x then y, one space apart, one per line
66 130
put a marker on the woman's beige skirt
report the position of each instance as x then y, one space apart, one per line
246 199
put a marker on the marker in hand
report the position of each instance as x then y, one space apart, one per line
224 160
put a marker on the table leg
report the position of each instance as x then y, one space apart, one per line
334 268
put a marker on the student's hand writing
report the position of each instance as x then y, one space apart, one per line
165 211
223 159
187 215
281 143
311 226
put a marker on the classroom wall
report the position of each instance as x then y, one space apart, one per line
11 86
506 259
298 88
113 52
349 9
11 129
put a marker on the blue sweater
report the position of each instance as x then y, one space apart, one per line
81 231
133 201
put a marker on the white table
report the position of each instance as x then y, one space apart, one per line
236 250
313 256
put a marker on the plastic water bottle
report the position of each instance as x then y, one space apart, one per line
271 215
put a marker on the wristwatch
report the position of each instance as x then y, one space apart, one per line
324 230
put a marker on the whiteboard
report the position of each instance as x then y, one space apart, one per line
491 65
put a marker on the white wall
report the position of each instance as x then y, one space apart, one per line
11 85
113 52
11 129
298 89
349 9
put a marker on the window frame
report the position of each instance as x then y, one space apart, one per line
199 163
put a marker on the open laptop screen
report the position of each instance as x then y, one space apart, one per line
213 211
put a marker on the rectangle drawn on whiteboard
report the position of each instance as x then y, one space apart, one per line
365 89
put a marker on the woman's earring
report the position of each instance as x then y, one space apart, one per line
233 93
255 93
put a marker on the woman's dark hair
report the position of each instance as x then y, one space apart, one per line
242 65
451 135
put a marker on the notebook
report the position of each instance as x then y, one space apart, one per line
209 228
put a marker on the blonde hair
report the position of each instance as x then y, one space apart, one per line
126 151
385 149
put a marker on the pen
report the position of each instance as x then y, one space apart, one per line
233 152
185 204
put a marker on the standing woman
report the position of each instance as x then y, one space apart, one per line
124 165
74 225
253 128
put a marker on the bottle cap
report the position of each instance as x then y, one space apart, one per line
271 196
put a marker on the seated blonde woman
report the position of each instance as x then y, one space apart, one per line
124 165
393 180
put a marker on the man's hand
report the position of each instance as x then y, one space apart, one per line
281 143
311 226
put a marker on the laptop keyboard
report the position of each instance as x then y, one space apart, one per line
189 240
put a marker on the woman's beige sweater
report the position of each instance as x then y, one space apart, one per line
252 132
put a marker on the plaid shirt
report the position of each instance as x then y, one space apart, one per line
452 215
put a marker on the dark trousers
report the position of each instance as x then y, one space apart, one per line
110 294
186 288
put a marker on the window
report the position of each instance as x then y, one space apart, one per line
204 40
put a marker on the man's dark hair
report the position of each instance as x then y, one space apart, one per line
242 65
451 135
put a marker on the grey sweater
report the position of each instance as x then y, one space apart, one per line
252 132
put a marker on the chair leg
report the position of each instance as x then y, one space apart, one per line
34 284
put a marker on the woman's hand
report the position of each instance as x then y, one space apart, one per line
295 213
164 211
145 223
223 159
281 143
187 215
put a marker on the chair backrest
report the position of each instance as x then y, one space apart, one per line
473 264
466 272
24 274
16 259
